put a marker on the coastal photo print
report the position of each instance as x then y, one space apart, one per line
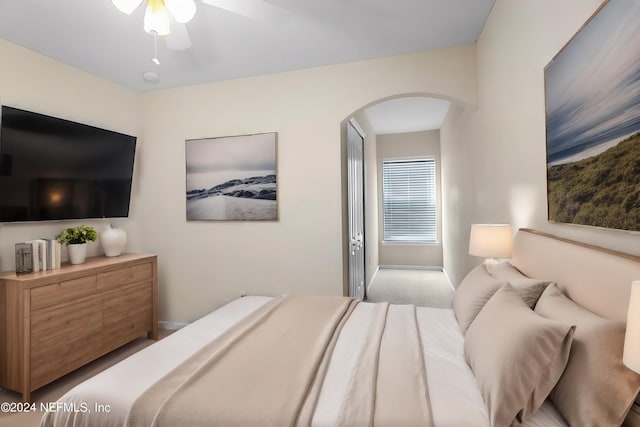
592 96
232 178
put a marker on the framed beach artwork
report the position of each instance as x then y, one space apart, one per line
232 178
592 97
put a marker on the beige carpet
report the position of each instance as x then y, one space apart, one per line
56 389
425 288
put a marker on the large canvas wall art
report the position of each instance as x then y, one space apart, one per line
592 96
232 178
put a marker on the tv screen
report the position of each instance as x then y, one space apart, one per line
53 169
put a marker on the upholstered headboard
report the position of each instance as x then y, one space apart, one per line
598 279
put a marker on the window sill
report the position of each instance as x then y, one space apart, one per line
400 243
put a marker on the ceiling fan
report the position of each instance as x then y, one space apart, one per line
168 17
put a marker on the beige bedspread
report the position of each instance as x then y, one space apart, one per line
269 369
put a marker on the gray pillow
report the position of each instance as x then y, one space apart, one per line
472 294
596 389
529 288
478 286
516 355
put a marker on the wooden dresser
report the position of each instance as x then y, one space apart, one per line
55 321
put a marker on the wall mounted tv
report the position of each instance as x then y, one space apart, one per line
54 169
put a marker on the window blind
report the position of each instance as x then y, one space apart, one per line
409 200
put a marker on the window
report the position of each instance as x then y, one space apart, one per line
409 200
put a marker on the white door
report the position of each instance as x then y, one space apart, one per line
355 170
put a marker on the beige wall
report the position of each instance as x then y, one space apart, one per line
505 138
34 82
457 192
205 264
493 158
411 144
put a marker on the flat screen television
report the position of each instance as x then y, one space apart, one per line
55 169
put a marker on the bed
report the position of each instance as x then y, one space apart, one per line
359 348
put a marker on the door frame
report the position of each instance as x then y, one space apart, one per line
358 270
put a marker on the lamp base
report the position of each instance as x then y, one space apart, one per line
490 262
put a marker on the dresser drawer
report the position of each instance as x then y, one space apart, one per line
64 339
125 302
117 279
66 291
59 358
127 314
63 323
129 328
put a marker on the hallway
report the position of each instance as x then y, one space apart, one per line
426 288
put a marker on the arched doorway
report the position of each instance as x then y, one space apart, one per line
362 247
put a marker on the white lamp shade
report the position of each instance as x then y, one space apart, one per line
631 356
181 10
156 20
127 6
491 240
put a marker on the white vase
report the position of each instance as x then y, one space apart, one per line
113 241
77 253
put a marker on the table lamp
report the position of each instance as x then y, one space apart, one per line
491 241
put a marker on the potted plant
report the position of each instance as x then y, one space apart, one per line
76 238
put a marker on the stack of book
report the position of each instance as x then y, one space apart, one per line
37 255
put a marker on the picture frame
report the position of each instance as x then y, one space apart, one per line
593 122
232 178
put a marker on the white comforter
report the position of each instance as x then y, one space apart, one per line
455 398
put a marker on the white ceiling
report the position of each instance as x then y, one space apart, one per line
280 35
411 114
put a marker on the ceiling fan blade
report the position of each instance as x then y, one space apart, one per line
255 9
178 38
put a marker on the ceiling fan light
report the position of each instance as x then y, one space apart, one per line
126 6
156 20
181 10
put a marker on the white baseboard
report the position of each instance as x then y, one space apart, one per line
413 267
448 279
373 277
172 326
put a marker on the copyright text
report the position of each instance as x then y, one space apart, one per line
82 407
